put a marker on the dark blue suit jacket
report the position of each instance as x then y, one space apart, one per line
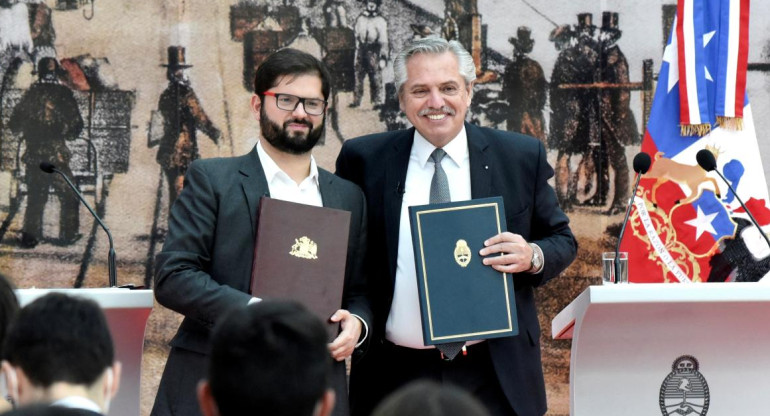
503 164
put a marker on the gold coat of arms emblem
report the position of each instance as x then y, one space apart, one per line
462 253
304 248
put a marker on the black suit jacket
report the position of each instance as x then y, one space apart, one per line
205 266
44 409
503 164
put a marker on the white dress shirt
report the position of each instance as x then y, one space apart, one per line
404 326
284 188
78 402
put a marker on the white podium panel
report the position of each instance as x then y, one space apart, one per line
127 312
626 338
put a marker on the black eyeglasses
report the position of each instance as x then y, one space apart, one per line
288 102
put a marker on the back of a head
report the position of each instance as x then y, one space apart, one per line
271 356
290 62
9 306
60 338
428 398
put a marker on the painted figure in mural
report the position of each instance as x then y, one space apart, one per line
618 124
524 87
335 14
449 28
588 120
15 33
564 103
213 219
434 82
26 35
182 115
47 117
574 109
371 31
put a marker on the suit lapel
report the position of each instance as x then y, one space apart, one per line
396 164
330 197
254 186
481 170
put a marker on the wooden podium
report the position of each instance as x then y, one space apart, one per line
668 349
127 312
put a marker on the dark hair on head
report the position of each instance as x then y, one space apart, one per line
428 398
272 357
292 63
9 305
60 338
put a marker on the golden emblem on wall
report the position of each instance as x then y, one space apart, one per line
304 248
462 253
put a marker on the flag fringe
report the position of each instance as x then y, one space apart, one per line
730 123
699 130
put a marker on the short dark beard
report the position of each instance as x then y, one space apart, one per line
296 144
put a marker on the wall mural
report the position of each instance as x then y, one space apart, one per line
122 96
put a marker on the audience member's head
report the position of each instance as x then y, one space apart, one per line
9 305
428 398
60 346
271 356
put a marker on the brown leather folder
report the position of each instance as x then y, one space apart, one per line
300 254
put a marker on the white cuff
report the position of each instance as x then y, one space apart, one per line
366 330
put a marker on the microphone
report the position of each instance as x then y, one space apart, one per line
708 162
50 168
642 162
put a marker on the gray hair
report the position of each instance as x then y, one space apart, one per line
433 45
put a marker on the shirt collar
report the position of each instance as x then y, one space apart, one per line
272 169
78 402
456 149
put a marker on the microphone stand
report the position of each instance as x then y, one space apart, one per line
753 220
616 262
111 256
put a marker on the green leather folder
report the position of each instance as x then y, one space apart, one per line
461 299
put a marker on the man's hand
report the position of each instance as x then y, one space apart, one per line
517 254
342 346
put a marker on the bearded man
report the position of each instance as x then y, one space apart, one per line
205 266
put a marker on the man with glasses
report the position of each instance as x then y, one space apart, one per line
205 267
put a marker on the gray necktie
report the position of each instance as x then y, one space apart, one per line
439 192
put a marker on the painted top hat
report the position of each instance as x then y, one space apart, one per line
610 21
176 58
585 22
523 41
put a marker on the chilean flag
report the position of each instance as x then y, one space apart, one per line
685 225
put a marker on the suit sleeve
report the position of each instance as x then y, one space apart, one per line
550 226
182 280
356 298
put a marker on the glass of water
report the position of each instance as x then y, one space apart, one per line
608 268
